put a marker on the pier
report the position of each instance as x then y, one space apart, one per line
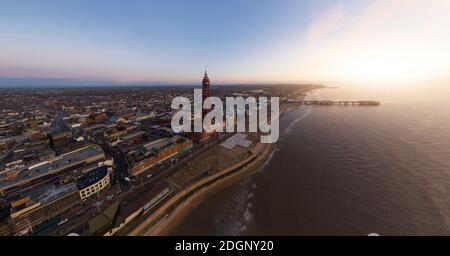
339 103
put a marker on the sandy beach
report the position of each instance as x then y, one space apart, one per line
163 223
166 218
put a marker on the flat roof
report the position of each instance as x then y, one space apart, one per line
138 152
158 144
237 139
92 177
46 193
58 192
52 164
102 220
134 134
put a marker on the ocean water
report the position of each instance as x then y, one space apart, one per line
345 170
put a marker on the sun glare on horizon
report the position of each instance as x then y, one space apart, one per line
395 41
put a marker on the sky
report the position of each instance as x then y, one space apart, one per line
239 41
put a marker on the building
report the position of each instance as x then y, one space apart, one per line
60 141
147 155
119 131
15 182
33 124
206 84
93 182
104 221
29 153
134 137
206 92
45 204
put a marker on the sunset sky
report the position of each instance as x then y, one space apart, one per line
240 41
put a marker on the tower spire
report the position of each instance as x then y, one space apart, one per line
205 89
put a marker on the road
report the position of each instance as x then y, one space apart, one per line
133 194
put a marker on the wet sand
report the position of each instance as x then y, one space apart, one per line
344 171
170 221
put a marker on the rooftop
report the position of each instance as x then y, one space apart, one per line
92 177
237 139
105 219
55 193
133 135
157 144
51 165
139 152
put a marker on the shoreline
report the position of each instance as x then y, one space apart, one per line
169 223
161 223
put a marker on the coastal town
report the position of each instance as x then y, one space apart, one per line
105 161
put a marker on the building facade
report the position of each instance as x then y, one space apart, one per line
206 84
94 182
148 155
206 92
16 182
27 214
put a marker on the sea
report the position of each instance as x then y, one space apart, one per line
345 170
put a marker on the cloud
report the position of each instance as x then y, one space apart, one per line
326 24
386 40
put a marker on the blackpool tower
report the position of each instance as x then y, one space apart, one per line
205 93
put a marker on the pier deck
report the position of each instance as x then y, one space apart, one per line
341 102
